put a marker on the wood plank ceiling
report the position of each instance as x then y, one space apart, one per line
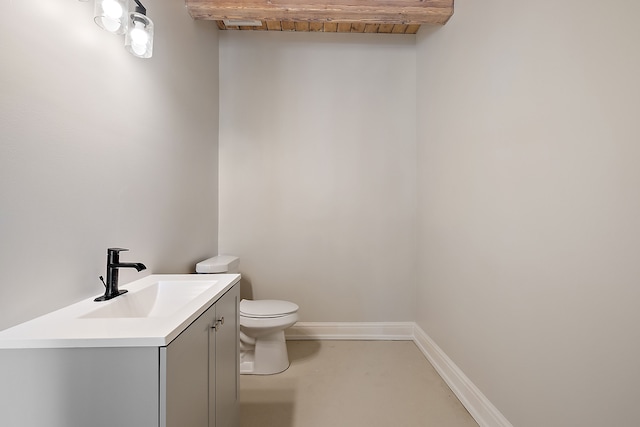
343 16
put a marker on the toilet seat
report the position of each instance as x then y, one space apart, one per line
266 308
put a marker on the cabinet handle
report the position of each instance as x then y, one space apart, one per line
218 323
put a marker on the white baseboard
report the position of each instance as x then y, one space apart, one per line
385 331
480 408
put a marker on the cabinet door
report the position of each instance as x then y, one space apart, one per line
184 379
227 360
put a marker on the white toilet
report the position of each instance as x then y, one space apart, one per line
263 349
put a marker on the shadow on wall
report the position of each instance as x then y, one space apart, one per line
246 289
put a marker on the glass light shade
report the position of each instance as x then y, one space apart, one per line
139 38
112 15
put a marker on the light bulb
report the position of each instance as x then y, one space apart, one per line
112 9
110 24
139 37
139 40
111 15
139 49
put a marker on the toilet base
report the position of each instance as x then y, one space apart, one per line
267 355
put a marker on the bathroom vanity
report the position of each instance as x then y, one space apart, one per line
164 354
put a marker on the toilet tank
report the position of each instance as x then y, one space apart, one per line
219 264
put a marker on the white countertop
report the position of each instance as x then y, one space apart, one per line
73 326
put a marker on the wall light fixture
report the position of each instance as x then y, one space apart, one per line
139 37
114 16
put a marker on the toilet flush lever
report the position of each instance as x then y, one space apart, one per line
218 323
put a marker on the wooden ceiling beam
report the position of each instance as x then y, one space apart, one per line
354 11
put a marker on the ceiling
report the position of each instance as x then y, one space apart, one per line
342 16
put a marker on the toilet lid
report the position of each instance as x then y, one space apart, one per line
266 308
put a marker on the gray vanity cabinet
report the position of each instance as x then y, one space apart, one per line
192 382
199 382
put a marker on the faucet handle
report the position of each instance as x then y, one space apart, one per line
116 250
113 255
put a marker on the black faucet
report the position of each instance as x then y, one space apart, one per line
113 264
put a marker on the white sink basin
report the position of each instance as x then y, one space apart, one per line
160 299
155 310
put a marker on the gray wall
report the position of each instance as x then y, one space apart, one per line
529 207
318 172
101 149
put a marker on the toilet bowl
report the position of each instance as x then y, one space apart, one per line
263 349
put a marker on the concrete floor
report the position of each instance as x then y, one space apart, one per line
351 384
